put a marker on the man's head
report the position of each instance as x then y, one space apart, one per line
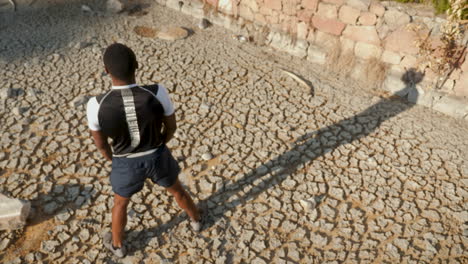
120 62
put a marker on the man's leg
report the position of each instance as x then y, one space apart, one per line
119 219
184 200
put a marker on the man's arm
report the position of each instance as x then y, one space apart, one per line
101 143
170 127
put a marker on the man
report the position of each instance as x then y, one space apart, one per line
139 120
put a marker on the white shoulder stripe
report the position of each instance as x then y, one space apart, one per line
163 97
149 91
104 97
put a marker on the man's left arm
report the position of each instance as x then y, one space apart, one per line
101 143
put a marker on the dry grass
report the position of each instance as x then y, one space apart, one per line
376 71
346 63
333 55
340 62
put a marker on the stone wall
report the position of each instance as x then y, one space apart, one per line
367 40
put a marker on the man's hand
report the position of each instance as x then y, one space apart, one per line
170 127
101 143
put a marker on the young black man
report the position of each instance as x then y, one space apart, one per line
139 120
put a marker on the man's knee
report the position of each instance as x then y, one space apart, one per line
120 202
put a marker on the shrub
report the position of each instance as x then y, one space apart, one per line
440 6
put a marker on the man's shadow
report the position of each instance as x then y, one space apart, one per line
315 144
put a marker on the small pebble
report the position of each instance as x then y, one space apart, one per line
207 156
86 8
204 23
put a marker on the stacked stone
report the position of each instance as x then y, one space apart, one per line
330 30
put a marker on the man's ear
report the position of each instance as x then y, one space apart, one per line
136 64
106 70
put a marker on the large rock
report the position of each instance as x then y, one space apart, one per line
377 8
327 11
252 4
173 33
302 30
273 4
391 57
298 49
246 13
349 14
310 4
6 93
359 4
114 6
367 51
367 19
278 41
409 61
347 45
402 40
225 6
305 15
335 2
316 55
394 84
195 9
367 34
451 106
327 25
13 213
395 18
461 85
327 41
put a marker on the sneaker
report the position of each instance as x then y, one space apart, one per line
197 225
119 252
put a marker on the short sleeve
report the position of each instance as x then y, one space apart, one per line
165 100
92 114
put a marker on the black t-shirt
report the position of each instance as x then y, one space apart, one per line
131 116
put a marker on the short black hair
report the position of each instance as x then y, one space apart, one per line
120 61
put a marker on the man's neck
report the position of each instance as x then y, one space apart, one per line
117 82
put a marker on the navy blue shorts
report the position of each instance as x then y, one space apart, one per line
129 174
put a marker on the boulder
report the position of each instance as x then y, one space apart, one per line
367 51
272 4
359 4
391 57
395 18
367 19
13 213
316 55
349 14
173 33
367 34
377 8
327 25
114 6
310 4
6 93
402 40
327 11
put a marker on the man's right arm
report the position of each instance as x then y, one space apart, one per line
170 126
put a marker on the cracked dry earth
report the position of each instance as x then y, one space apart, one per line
386 180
